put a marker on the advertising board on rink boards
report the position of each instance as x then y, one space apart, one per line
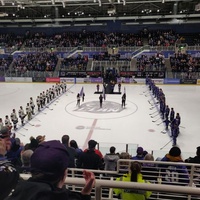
18 79
158 81
198 81
67 80
53 80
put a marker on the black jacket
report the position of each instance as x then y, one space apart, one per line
30 190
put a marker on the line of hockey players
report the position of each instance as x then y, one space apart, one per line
42 100
167 114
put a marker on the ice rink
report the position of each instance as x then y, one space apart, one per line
110 125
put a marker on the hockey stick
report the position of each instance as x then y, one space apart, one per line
20 133
152 108
145 91
43 112
30 123
155 115
49 108
182 126
24 128
156 120
166 144
160 123
37 119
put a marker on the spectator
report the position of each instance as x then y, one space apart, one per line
90 158
26 161
71 151
49 164
149 170
8 177
174 174
91 145
5 137
13 154
195 159
40 138
124 166
140 155
111 159
74 145
133 176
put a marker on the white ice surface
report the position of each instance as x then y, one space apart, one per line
133 125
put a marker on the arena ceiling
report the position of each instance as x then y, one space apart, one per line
96 11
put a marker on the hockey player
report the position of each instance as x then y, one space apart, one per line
119 87
14 119
97 87
78 100
8 123
123 100
28 111
47 96
38 102
22 115
83 97
32 105
41 100
1 123
167 110
100 100
172 113
178 119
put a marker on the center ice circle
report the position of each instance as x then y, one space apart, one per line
110 109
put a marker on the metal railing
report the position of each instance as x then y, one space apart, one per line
105 181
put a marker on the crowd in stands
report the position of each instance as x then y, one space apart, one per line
75 63
11 40
152 63
4 64
35 62
183 62
84 38
163 38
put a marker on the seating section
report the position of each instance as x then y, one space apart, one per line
35 62
152 63
78 63
184 63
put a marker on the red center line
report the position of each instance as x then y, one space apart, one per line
90 134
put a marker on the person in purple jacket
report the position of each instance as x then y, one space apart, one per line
174 174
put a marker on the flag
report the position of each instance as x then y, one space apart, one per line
104 94
124 90
81 92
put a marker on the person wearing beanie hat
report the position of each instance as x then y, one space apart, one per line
140 154
172 173
49 164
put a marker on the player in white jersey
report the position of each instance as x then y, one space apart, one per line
1 123
41 100
29 111
47 96
44 98
38 102
22 115
32 105
14 119
7 122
